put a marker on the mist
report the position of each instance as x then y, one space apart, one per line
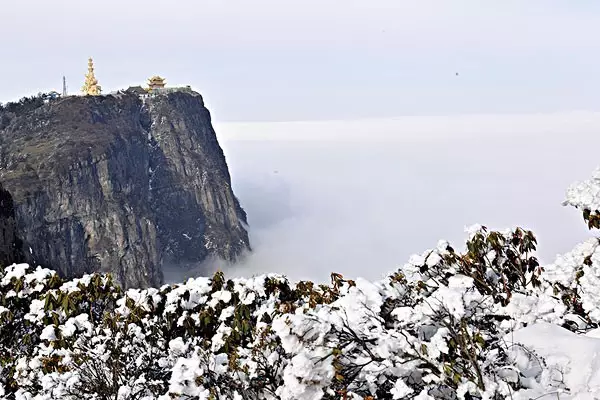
360 197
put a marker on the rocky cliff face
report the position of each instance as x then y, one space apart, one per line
120 184
10 245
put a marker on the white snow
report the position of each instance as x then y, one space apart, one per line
576 358
49 333
14 271
585 194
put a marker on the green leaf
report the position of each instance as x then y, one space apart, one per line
448 369
456 378
65 303
479 339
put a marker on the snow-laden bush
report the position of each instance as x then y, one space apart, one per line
436 328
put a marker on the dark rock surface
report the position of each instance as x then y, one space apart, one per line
121 184
10 244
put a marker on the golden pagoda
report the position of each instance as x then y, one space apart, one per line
156 82
91 87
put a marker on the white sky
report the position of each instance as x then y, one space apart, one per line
316 59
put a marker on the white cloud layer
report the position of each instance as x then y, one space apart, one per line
360 197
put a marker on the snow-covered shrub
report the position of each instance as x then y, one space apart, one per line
436 328
585 196
575 276
433 328
21 293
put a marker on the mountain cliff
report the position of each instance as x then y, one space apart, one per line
120 184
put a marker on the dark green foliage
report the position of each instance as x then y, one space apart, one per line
25 104
592 219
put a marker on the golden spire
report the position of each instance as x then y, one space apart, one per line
91 87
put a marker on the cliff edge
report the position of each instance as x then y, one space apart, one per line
120 184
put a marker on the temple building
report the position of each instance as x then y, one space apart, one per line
140 91
156 82
91 87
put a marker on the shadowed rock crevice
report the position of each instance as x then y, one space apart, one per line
120 184
10 244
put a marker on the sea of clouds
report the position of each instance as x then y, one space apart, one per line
359 197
